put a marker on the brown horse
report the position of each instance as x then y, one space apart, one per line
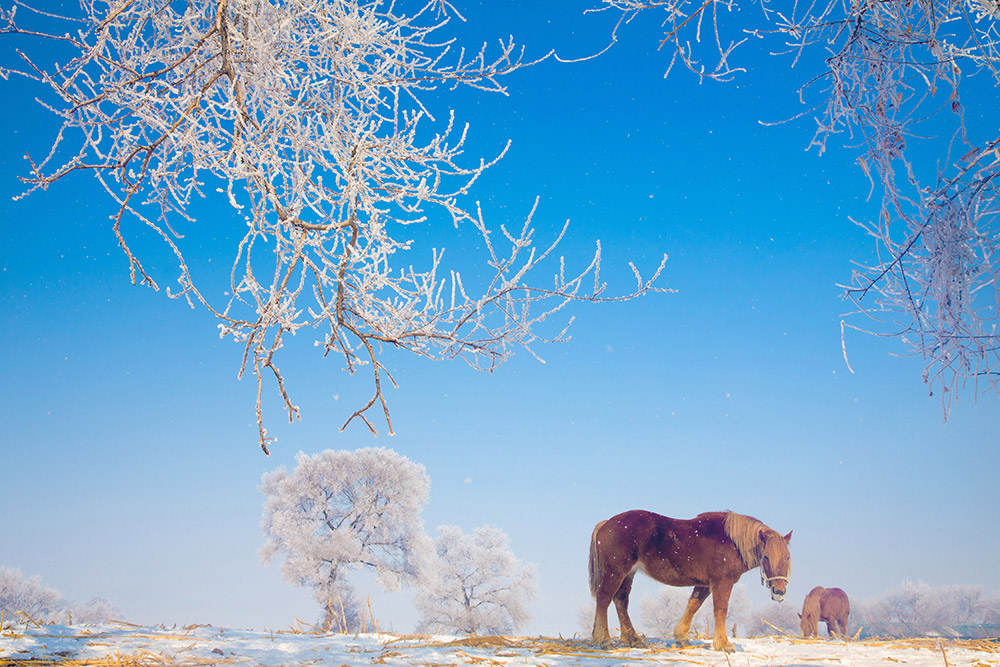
709 552
829 605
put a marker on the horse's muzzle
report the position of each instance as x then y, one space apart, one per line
777 596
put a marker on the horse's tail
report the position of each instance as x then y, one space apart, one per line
596 573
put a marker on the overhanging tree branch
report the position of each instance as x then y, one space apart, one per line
307 119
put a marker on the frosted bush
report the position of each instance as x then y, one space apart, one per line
93 611
29 595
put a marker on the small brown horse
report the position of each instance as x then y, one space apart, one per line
710 552
829 605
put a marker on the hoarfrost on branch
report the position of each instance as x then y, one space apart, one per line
892 77
307 116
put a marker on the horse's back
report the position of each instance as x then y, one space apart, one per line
644 530
837 593
813 597
836 602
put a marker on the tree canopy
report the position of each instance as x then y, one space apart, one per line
343 510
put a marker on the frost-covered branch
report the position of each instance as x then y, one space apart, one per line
688 20
886 72
307 118
892 68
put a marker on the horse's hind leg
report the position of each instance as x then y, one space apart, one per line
611 583
698 596
629 636
600 635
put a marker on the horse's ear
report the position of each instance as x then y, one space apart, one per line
788 537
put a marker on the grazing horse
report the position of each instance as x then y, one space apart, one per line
709 552
829 605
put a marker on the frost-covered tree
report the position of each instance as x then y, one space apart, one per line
312 120
477 585
662 610
342 510
27 594
877 73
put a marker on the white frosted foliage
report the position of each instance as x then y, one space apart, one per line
342 510
26 594
477 586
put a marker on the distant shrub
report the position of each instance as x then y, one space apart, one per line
661 611
43 604
915 609
29 595
774 618
93 611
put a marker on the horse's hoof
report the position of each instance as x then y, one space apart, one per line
727 647
636 643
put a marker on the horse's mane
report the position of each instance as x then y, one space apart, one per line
811 605
744 531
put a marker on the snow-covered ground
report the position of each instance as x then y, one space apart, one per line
111 645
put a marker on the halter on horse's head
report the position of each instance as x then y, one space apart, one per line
775 564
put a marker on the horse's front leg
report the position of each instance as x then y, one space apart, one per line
720 601
698 596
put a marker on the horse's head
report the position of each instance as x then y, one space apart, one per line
808 623
776 563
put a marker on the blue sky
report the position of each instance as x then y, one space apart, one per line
130 465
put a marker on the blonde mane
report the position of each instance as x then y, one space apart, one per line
811 605
745 531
